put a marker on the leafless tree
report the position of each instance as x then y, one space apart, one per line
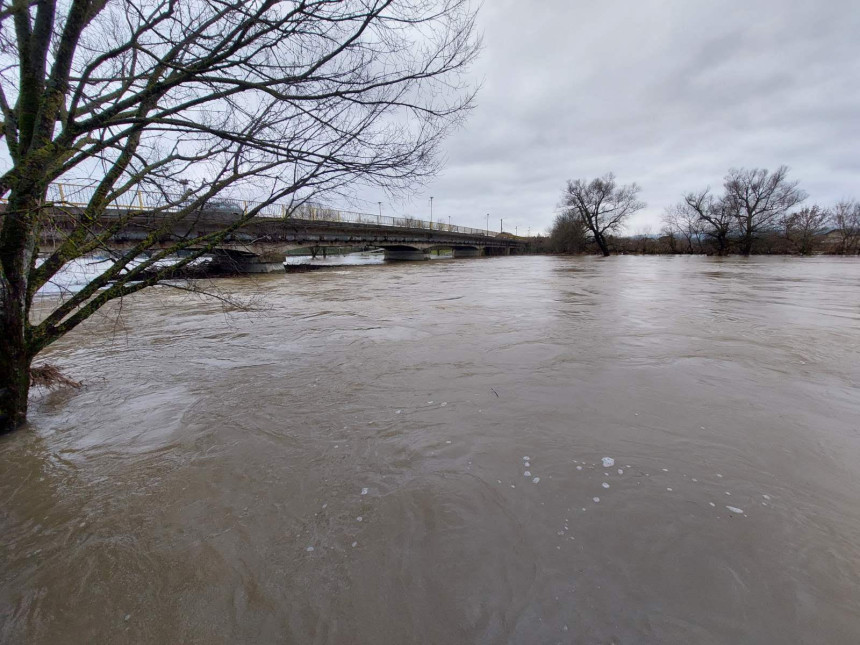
568 234
802 227
846 221
715 219
758 199
268 100
601 205
684 223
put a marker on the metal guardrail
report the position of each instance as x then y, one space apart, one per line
74 195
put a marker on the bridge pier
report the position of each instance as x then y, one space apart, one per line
404 253
467 252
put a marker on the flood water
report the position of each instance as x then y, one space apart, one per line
413 453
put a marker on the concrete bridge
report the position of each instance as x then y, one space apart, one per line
261 245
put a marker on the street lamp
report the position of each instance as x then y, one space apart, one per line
449 223
501 225
379 221
431 212
488 223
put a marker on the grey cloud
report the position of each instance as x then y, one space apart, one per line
669 94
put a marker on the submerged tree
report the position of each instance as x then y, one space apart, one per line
802 228
567 234
715 219
256 99
683 222
846 221
758 200
601 205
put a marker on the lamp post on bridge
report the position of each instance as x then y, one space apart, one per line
431 212
488 223
379 219
501 225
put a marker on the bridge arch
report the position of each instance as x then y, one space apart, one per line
404 252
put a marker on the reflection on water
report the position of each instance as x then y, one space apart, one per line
414 453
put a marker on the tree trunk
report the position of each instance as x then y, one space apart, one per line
601 242
18 239
14 383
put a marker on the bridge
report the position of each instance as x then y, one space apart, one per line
262 244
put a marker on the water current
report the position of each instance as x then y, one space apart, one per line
499 450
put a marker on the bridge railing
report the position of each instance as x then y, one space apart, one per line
78 196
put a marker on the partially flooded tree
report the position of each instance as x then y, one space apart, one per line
260 100
802 227
601 205
683 225
846 223
758 200
568 234
716 220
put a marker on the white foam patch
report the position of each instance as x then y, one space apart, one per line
608 462
620 471
365 491
527 474
605 485
579 467
359 518
536 480
735 509
596 500
309 549
354 544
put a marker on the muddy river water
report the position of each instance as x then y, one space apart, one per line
499 450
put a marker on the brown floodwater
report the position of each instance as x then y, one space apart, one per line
414 453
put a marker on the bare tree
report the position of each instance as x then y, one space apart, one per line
683 222
716 220
256 99
846 220
568 234
601 205
758 199
802 227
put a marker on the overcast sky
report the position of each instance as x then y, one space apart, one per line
669 94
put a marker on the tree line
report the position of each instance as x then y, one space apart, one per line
757 211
